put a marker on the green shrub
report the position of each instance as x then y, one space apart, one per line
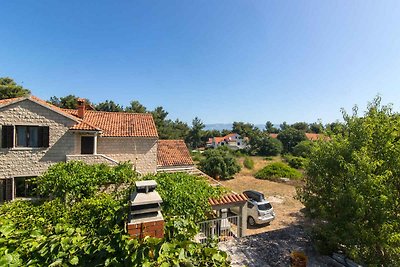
303 149
219 163
75 180
352 187
248 163
90 231
196 156
269 158
296 162
277 170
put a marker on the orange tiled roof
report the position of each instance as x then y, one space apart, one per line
314 136
84 126
228 199
120 124
10 100
173 153
273 135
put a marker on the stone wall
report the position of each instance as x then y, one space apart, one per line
93 159
141 151
34 161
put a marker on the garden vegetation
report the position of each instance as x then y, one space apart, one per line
80 226
352 188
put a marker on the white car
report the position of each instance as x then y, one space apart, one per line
259 210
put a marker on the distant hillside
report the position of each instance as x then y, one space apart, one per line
228 126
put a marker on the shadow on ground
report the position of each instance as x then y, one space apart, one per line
272 248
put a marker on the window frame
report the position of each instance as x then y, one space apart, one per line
28 188
9 136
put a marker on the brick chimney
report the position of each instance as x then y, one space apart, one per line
81 107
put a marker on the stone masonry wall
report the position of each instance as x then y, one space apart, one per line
93 159
142 152
34 161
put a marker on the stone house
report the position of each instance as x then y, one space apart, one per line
36 134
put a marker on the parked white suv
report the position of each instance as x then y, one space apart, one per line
259 210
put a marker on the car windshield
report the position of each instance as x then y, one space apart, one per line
265 206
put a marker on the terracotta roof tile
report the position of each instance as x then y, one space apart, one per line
10 100
120 124
173 153
84 126
228 199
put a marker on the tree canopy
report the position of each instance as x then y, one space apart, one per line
109 106
290 137
352 187
10 89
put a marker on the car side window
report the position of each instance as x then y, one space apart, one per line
250 205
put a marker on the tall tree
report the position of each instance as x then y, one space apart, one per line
109 106
352 188
136 107
69 101
10 89
283 126
270 128
290 138
243 129
316 127
301 126
195 133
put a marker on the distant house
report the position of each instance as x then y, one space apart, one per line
232 140
35 135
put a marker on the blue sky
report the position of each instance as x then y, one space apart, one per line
222 61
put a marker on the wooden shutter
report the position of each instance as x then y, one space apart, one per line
5 190
7 136
44 136
9 192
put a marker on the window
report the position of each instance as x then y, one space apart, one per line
5 189
25 136
7 136
87 145
266 206
250 205
23 187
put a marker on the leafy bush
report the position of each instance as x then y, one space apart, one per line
219 163
90 230
352 188
278 170
196 156
185 195
76 180
296 162
303 149
248 163
269 158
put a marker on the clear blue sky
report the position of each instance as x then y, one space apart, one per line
222 61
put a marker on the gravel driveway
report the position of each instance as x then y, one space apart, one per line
271 248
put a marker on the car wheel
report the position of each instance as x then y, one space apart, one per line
251 221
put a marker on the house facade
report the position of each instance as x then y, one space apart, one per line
35 135
232 140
